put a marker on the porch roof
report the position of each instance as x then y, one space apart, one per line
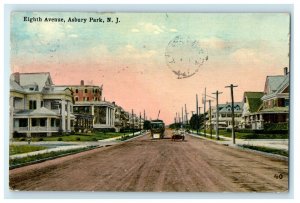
275 110
37 112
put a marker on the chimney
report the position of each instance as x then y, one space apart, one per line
285 70
82 82
17 77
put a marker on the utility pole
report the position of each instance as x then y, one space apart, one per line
197 110
132 122
217 109
182 121
204 111
186 115
144 120
231 86
140 122
210 129
199 117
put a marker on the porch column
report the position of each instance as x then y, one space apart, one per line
109 116
93 113
29 127
113 117
68 116
106 119
63 116
48 126
11 117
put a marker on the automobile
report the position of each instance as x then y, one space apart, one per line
178 135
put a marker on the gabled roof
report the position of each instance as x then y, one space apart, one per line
227 107
40 80
272 83
15 86
276 85
254 100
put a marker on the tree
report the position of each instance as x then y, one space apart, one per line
196 121
147 125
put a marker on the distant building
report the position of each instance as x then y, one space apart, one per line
90 111
225 118
38 107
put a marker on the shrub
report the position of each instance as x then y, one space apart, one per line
77 138
41 139
22 139
94 139
59 139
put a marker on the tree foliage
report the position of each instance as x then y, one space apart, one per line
147 125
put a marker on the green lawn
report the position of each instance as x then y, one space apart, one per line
19 149
268 150
243 135
77 137
38 157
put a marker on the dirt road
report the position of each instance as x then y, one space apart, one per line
156 165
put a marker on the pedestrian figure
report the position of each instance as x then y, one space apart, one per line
29 140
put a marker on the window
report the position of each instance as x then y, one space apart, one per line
76 90
42 103
32 104
76 98
53 122
34 122
87 98
84 99
85 90
43 122
286 102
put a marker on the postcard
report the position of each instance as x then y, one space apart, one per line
149 102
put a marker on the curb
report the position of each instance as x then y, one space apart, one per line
135 137
54 157
276 156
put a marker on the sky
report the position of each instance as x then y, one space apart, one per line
140 58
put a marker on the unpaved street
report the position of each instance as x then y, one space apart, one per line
144 164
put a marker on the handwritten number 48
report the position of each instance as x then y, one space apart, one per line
278 176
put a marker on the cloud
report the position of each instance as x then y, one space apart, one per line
129 51
150 28
246 56
73 35
214 43
135 30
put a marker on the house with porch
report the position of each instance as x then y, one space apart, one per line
272 107
225 118
38 107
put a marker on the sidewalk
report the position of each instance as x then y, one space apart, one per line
64 146
271 143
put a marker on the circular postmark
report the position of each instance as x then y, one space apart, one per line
184 56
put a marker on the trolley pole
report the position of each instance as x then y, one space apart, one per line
217 116
231 86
